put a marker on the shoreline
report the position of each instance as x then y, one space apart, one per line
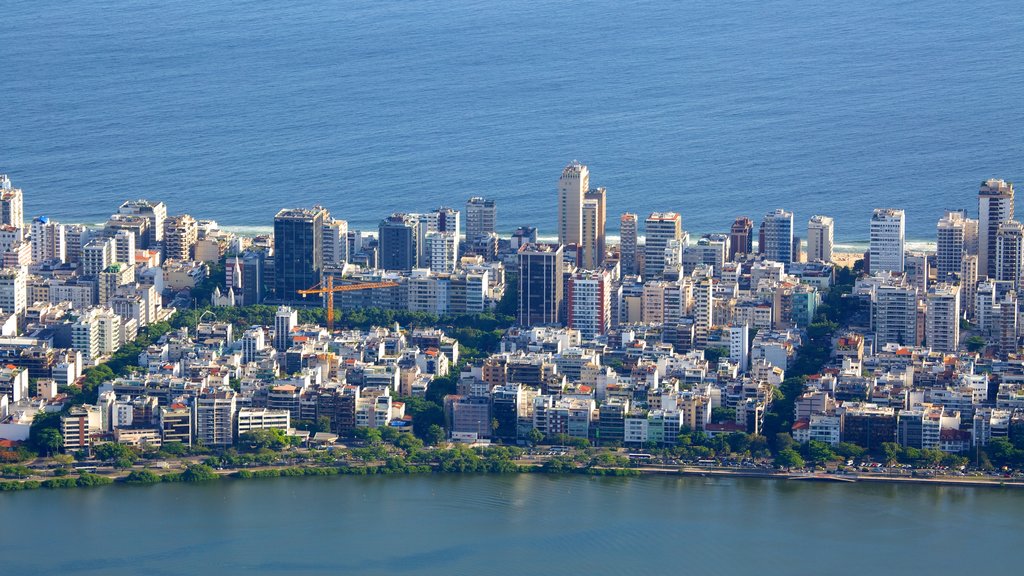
254 473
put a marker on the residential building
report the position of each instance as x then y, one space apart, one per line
481 219
180 236
589 304
995 205
215 417
775 239
1009 253
942 330
820 236
950 247
628 231
741 237
660 228
886 250
572 187
154 212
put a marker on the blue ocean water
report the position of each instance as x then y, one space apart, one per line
230 110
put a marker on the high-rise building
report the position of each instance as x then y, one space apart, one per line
285 319
13 290
703 309
572 187
1009 324
298 250
443 251
594 222
1009 253
180 236
590 303
481 219
335 249
775 239
590 254
660 228
540 284
628 244
739 345
886 250
215 416
969 283
894 313
741 237
49 240
154 212
995 205
12 211
820 232
97 255
916 268
950 246
398 240
942 323
124 247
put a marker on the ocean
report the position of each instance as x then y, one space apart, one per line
232 110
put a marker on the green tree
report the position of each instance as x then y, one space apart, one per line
48 440
818 453
975 343
111 451
789 459
722 414
198 473
435 435
535 436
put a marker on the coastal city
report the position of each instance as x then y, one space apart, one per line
160 347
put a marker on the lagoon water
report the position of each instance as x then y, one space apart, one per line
230 110
511 525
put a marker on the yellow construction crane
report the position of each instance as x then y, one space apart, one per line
327 287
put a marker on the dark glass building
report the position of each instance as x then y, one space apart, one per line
398 237
298 251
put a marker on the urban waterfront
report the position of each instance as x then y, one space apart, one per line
713 111
511 524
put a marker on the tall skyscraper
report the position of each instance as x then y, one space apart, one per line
776 235
540 284
1009 253
660 228
995 205
741 237
942 323
298 251
481 219
820 232
887 240
627 243
399 238
950 247
572 187
12 210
